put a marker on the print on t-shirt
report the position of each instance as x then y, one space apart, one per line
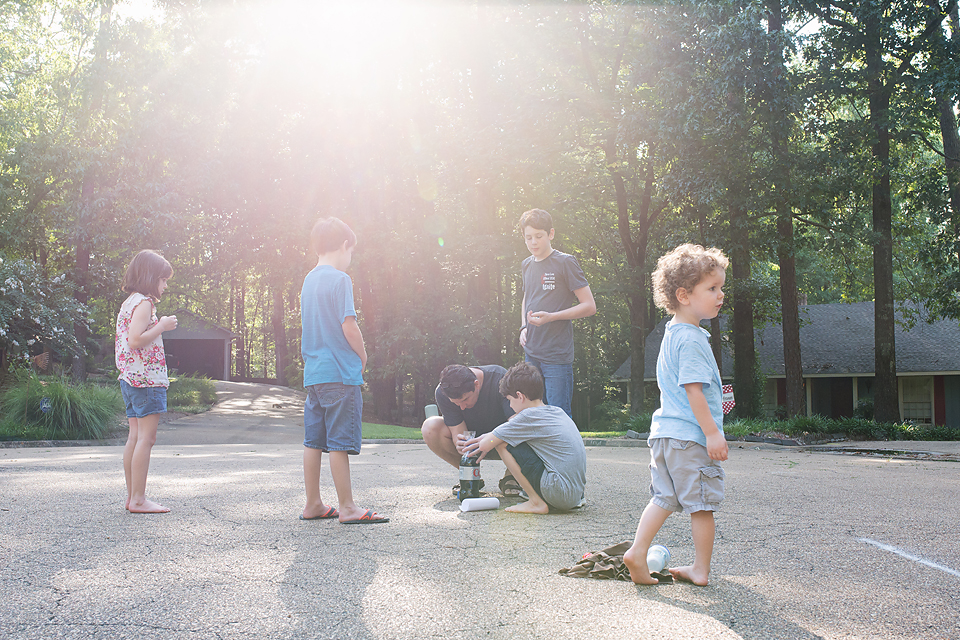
549 281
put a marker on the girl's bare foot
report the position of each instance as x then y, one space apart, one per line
639 571
147 506
688 574
541 508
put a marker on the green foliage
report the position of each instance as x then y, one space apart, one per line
864 409
294 374
35 308
608 414
218 133
815 427
191 394
74 412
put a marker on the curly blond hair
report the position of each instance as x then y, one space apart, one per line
684 267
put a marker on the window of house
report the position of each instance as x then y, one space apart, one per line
916 399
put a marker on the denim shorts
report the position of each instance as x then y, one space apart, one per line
141 402
332 417
683 477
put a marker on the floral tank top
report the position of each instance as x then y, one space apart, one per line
146 366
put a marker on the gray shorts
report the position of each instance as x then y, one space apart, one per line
683 477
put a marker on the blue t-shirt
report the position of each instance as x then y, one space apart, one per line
685 357
326 301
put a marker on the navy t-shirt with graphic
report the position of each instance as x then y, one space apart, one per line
548 285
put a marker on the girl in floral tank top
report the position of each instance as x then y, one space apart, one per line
143 370
146 366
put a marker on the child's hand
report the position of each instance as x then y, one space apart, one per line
167 323
523 337
481 444
717 446
537 318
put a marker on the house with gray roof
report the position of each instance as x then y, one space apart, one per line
837 356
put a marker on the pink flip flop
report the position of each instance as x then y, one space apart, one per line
369 517
331 512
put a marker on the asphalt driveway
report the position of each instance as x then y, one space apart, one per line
810 545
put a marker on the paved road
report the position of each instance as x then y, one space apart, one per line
810 545
245 413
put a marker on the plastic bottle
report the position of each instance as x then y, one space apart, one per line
469 478
658 557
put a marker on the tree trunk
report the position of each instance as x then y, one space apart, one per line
85 218
951 146
885 398
280 348
951 143
636 302
789 302
240 317
382 387
744 351
951 149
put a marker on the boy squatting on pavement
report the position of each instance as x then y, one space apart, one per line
540 445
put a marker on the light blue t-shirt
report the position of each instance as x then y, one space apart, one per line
326 301
685 357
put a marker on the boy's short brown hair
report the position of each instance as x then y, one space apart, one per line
329 234
525 378
683 268
536 218
144 273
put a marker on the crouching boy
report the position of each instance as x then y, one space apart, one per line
540 445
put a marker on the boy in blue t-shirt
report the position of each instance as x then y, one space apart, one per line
555 292
333 361
686 432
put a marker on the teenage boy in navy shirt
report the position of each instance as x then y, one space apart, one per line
555 292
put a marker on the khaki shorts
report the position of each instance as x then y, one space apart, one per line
683 477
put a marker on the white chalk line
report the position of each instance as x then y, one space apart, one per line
910 556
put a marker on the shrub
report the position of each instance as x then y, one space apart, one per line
640 422
187 392
294 375
73 411
607 414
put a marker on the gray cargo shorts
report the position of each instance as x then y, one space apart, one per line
683 477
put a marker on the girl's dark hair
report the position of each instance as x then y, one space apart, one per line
144 273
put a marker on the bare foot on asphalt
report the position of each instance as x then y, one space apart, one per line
541 508
147 506
639 571
687 574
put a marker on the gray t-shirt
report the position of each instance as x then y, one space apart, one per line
548 285
555 439
491 408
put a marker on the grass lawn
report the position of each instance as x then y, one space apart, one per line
388 432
